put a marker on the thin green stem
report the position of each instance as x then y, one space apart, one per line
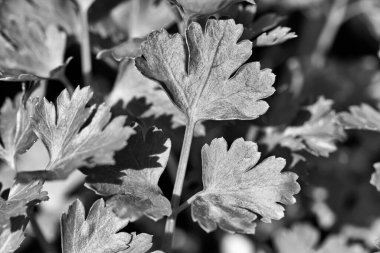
178 185
335 18
85 49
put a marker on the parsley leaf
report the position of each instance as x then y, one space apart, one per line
318 135
375 178
133 88
70 142
13 213
133 181
98 232
276 36
362 117
196 71
237 190
15 130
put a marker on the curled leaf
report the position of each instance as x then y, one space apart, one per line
196 71
237 190
133 182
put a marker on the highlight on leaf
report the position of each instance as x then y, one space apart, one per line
196 72
237 190
76 135
99 232
132 182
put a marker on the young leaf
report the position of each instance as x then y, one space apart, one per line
276 36
375 178
318 135
131 86
361 117
133 181
237 190
70 145
15 130
196 72
193 8
98 232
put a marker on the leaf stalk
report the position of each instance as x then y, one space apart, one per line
178 185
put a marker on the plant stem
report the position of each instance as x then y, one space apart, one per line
85 48
186 204
178 185
335 18
45 245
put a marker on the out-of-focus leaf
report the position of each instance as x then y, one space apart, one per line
262 25
362 117
98 233
238 190
133 181
375 178
196 71
193 8
300 239
291 4
303 238
131 86
15 130
369 235
318 135
274 37
31 41
70 145
125 50
130 21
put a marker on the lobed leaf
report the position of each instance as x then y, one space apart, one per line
237 190
133 181
196 71
318 135
70 140
362 117
98 233
15 129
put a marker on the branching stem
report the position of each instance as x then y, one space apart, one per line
178 185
